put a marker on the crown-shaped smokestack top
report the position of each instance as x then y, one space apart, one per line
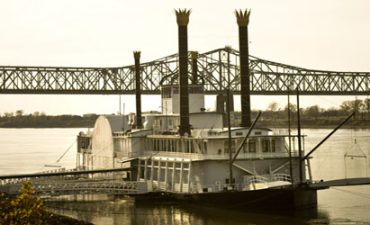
182 16
242 17
137 55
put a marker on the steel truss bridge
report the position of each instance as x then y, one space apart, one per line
216 70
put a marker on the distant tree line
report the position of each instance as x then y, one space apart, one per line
315 116
19 119
274 115
360 107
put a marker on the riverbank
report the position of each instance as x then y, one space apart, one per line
61 121
267 120
57 219
28 208
316 124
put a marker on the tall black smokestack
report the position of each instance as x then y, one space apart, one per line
182 22
138 90
242 18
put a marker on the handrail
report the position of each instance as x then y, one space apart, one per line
76 172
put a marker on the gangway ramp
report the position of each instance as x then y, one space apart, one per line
341 182
107 181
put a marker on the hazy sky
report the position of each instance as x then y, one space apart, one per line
315 34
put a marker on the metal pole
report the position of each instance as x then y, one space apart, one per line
299 140
228 106
331 133
290 141
229 138
246 137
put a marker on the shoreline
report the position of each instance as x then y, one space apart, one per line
273 126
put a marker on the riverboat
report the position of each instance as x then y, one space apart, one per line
188 154
196 168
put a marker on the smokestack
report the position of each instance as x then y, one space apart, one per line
242 18
194 65
138 89
182 22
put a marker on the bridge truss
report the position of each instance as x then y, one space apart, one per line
216 70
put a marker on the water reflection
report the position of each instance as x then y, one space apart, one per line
27 150
126 211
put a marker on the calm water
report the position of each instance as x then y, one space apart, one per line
29 150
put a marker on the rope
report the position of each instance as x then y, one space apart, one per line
60 158
65 152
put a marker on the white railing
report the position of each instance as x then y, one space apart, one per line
198 156
58 186
256 179
282 177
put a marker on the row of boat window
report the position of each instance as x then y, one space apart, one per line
199 146
164 171
173 145
251 146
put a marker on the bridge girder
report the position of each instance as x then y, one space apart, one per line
217 69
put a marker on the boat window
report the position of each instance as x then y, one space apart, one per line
170 147
226 146
239 133
273 146
198 147
166 145
196 89
265 145
155 147
177 165
142 172
258 133
252 146
166 92
175 144
160 145
189 146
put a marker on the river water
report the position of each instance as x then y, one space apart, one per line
346 154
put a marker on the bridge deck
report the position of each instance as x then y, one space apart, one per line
216 70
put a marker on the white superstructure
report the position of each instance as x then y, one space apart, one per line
192 164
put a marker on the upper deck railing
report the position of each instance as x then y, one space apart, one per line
198 156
